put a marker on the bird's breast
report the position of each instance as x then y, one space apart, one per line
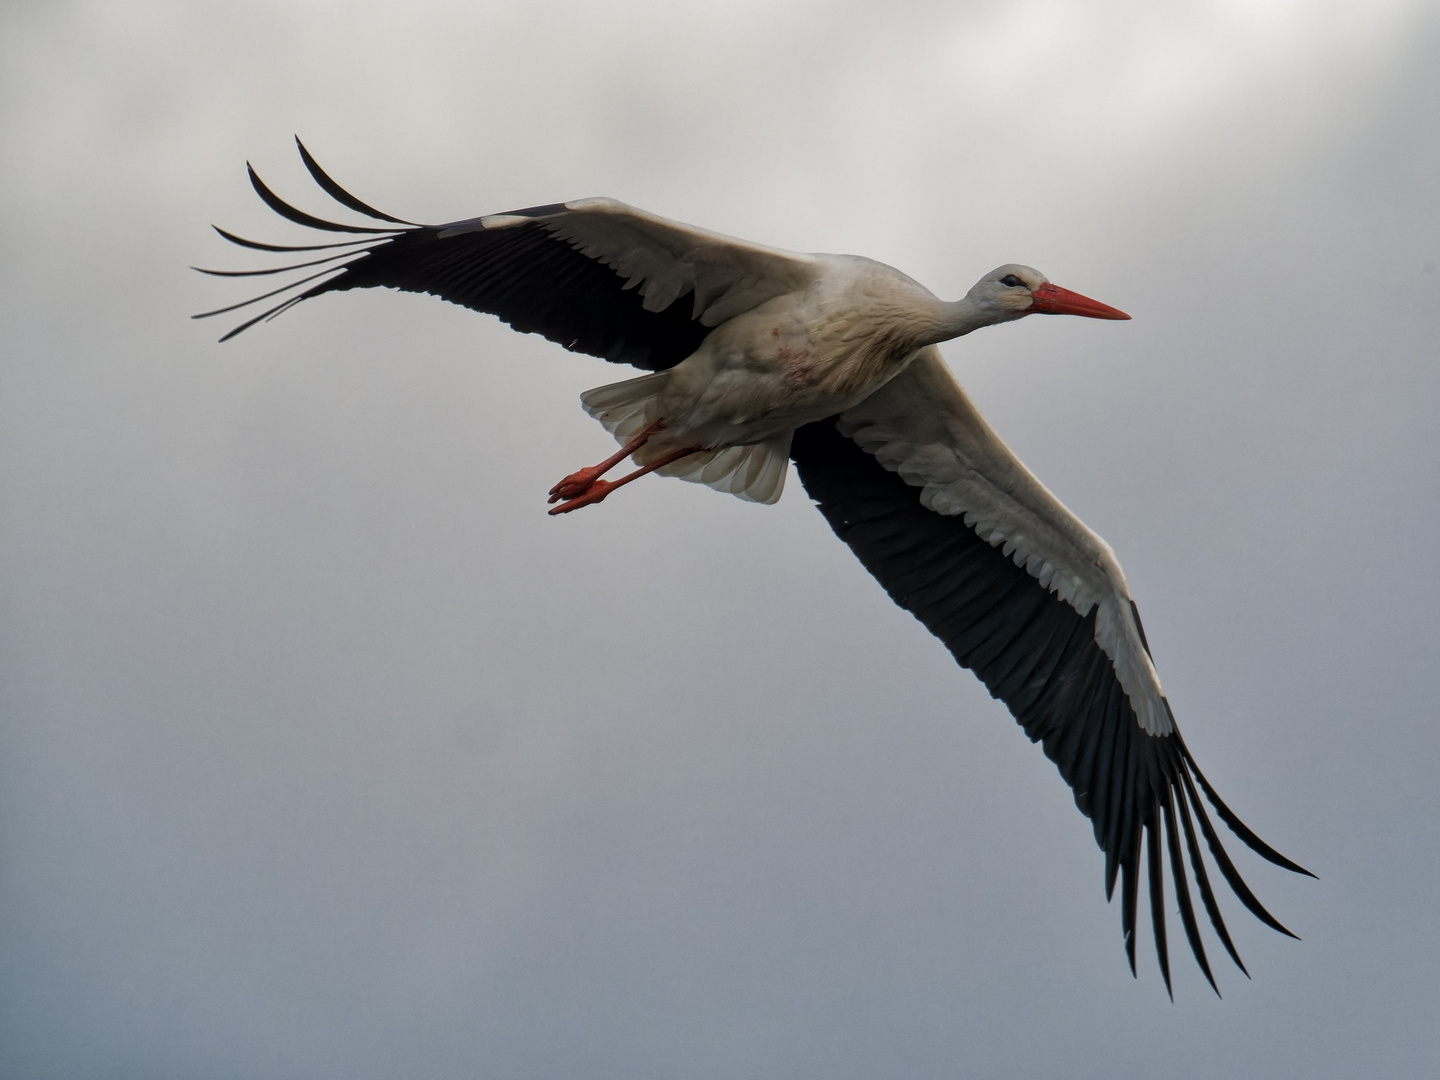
778 367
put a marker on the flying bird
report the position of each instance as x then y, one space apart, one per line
756 357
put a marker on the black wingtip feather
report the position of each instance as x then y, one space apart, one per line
1157 900
274 269
1129 897
300 217
1232 876
266 315
339 194
1238 827
252 321
1202 879
1182 890
257 246
266 296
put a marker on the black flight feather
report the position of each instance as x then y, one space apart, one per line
300 217
339 194
284 247
1157 900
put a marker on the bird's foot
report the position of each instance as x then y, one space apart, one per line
577 483
580 481
594 492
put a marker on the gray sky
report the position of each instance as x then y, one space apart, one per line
324 752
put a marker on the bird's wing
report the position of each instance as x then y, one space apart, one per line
594 275
965 538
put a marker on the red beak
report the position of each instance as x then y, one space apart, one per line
1053 300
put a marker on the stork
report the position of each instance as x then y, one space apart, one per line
757 357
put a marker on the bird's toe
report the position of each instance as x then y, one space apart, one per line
574 485
593 493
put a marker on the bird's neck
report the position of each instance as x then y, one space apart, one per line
941 320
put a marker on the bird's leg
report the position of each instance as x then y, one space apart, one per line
598 489
577 483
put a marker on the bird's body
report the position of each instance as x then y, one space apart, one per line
791 360
757 357
796 358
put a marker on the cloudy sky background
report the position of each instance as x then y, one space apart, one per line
324 752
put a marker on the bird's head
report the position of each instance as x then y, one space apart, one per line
1013 291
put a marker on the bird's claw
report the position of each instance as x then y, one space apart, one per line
593 493
574 485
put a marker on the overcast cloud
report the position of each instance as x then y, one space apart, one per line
325 753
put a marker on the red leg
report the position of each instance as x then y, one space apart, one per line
577 483
600 488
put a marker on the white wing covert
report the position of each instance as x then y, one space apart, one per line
666 260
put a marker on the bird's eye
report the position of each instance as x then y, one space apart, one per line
1011 280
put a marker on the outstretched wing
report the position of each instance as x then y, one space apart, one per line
1022 593
595 275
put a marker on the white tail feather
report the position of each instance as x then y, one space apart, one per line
755 473
626 408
